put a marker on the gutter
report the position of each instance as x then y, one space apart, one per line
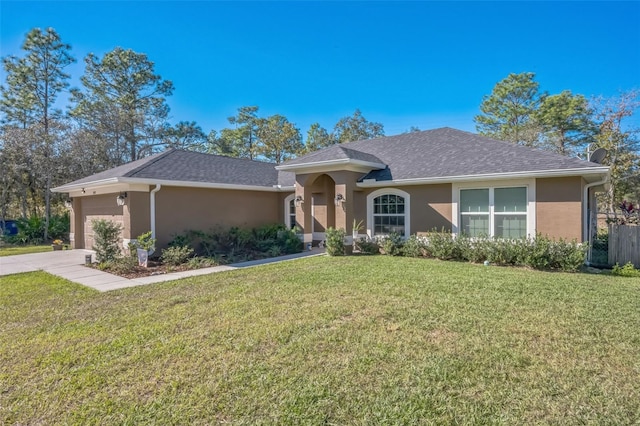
152 209
585 209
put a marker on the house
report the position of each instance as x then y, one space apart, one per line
414 182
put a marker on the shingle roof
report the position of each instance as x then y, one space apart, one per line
189 166
449 152
335 152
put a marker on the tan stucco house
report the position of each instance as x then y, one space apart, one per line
414 182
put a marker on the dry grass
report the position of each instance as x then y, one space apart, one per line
356 340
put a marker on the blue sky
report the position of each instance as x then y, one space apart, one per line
424 64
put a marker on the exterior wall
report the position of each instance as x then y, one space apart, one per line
179 209
139 211
559 207
430 206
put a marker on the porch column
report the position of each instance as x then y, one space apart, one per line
303 211
345 210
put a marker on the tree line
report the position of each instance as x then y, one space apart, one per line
120 114
569 124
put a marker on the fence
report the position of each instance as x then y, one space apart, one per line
624 244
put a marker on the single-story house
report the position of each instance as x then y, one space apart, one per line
409 183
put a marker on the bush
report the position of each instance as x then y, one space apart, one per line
415 247
443 246
30 230
106 236
628 270
335 242
175 256
366 246
59 226
119 265
392 244
146 242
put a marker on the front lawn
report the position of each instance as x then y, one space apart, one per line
355 340
15 250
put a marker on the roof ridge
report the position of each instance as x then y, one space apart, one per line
146 164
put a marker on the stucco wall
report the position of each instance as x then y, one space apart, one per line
181 209
430 206
559 207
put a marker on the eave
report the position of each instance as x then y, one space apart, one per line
590 174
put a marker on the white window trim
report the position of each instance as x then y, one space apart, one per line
287 218
530 184
390 191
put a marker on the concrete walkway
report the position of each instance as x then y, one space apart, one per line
69 264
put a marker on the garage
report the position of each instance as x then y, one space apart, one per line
97 208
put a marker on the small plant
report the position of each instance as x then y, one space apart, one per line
628 270
335 241
365 246
175 256
414 247
57 242
119 266
146 242
106 236
392 244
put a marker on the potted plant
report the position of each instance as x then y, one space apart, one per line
355 229
56 245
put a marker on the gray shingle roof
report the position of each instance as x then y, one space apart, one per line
189 166
449 152
335 152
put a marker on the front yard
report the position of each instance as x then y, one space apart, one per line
355 340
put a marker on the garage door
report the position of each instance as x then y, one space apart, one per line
99 207
88 228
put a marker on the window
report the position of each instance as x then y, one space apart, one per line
290 211
388 214
292 214
500 212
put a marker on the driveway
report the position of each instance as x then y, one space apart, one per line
69 264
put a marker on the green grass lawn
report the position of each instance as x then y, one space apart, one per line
15 250
356 340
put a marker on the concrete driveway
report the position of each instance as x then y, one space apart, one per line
69 264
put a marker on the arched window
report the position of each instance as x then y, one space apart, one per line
290 211
388 211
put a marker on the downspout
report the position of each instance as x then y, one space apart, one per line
152 209
585 210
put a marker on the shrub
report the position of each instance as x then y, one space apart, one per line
391 244
414 247
628 270
335 242
30 230
119 265
175 256
442 245
106 235
59 227
146 242
366 246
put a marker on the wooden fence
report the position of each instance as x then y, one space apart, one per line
624 244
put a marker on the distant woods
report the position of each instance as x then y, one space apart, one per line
120 114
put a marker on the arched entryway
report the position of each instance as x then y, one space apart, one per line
323 208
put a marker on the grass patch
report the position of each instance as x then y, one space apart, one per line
354 340
15 250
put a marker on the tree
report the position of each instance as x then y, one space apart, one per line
622 144
355 128
245 139
123 101
566 122
509 112
279 139
317 138
185 135
33 85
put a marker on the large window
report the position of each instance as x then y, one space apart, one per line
388 214
500 212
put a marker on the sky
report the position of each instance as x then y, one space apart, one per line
403 64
